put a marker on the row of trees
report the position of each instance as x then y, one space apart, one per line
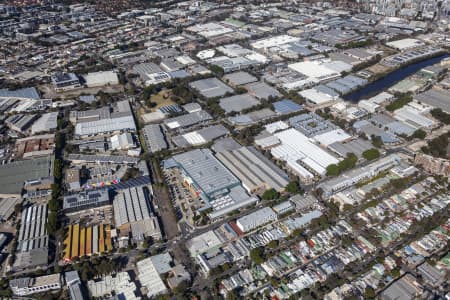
348 163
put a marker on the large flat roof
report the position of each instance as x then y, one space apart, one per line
206 171
13 175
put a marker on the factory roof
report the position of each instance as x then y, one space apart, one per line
46 122
286 106
211 87
238 103
13 175
253 169
105 126
239 78
28 93
154 138
188 119
206 171
436 98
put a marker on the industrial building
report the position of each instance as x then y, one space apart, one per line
256 219
201 136
154 138
187 120
352 177
65 81
105 126
239 78
32 241
296 147
35 146
15 174
211 87
132 213
255 171
26 285
238 103
85 200
203 173
84 241
101 78
47 122
149 277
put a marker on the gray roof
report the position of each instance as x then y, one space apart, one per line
206 171
436 98
131 205
262 90
13 175
30 93
188 119
402 289
239 78
211 87
238 103
154 138
356 147
253 169
113 159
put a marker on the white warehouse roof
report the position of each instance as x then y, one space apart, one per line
296 146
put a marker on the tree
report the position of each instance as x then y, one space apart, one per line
419 134
217 70
369 293
270 195
333 170
440 115
377 141
371 154
273 244
292 187
257 255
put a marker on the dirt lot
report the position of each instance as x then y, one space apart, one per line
161 99
50 93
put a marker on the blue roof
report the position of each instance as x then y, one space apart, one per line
30 93
286 106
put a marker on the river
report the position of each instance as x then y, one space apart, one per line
392 78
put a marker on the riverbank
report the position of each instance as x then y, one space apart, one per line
393 77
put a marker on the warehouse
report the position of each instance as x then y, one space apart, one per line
357 147
85 200
102 78
286 106
256 219
203 173
330 137
154 138
238 103
26 285
15 174
255 171
311 124
20 122
211 87
297 147
35 146
187 120
132 209
239 78
32 241
262 91
413 117
102 159
106 126
352 177
25 93
437 98
315 70
405 44
200 137
47 122
149 277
